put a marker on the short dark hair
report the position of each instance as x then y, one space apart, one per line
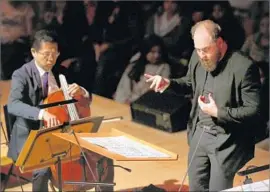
44 36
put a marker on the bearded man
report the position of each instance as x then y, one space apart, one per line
225 86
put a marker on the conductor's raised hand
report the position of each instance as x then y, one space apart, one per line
158 83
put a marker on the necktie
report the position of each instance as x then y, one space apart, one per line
45 84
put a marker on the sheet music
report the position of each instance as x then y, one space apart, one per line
126 147
256 186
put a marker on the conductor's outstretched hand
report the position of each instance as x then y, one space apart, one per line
158 83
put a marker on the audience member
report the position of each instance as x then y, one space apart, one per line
263 128
16 20
169 24
232 30
119 25
15 31
257 45
152 61
77 48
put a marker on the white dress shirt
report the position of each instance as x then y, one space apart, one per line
52 86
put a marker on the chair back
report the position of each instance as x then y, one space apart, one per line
9 119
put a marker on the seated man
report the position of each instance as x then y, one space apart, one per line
29 86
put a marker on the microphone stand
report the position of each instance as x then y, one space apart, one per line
97 184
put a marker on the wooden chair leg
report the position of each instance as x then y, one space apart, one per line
5 181
4 133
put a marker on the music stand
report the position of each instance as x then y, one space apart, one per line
81 144
42 149
251 170
254 170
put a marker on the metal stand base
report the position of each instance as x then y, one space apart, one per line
59 166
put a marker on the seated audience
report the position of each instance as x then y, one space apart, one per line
232 30
152 60
15 32
169 24
117 31
263 125
16 20
257 45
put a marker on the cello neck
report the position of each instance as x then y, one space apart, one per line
73 113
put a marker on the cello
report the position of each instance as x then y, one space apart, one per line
74 170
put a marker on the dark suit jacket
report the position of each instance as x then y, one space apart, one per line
25 96
237 95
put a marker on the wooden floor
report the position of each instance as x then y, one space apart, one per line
143 173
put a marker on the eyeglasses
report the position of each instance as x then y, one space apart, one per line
205 49
48 54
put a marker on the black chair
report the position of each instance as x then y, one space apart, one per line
6 161
9 119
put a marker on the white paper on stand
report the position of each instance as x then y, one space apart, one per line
126 147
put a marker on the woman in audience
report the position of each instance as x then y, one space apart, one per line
117 29
232 30
16 20
169 24
257 45
198 10
152 60
77 51
15 32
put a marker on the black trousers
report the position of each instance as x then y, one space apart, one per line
205 173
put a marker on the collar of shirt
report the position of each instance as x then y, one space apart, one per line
41 71
51 79
52 82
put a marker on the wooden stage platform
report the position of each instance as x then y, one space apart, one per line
142 174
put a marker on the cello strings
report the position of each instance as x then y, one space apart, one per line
71 107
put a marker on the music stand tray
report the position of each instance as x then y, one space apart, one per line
42 149
138 145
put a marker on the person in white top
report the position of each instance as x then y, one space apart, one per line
153 60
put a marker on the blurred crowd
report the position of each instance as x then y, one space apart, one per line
109 45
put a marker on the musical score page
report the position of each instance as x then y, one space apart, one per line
126 147
256 186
